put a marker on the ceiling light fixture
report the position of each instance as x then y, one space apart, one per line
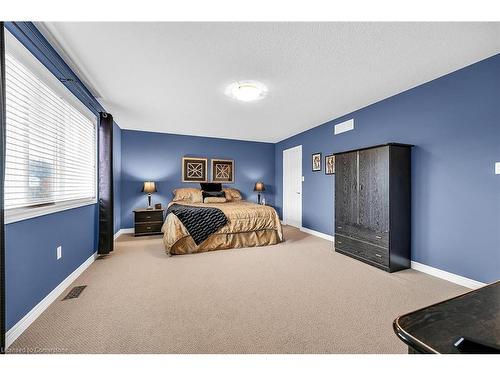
246 91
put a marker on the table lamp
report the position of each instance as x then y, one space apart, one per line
259 186
149 187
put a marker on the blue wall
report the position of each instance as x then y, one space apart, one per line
454 121
157 157
32 270
117 176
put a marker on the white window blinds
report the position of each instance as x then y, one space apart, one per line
50 144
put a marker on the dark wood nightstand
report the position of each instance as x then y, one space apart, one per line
148 222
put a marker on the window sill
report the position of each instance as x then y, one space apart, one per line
20 214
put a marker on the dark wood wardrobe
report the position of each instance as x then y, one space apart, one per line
373 205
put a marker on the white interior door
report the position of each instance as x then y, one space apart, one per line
292 186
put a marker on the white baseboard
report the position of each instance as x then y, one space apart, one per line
457 279
123 231
317 234
313 232
448 276
16 331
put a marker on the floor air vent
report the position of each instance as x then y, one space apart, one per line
75 292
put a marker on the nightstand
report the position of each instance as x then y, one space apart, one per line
148 222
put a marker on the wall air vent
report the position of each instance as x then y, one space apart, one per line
344 126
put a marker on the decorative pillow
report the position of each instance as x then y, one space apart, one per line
188 195
210 194
229 197
232 194
211 186
214 200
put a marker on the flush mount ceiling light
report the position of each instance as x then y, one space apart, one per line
246 91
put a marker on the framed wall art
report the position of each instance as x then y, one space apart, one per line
194 169
316 162
329 164
222 170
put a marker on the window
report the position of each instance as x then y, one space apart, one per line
50 141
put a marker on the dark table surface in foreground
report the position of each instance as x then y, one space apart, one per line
434 329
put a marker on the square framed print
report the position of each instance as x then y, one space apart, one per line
194 169
316 162
329 164
223 170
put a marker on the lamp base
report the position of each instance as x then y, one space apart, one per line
258 198
150 207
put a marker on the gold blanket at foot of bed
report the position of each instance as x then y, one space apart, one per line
249 225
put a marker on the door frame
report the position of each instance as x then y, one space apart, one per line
299 147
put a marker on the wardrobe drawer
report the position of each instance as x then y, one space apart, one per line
362 249
147 228
145 216
349 245
363 234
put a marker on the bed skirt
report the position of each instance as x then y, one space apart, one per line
225 241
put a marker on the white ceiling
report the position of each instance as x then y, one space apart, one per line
170 77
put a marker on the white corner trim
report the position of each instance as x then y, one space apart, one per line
317 234
16 331
123 231
451 277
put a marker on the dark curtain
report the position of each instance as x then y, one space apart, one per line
105 184
2 180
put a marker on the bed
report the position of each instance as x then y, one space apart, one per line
248 225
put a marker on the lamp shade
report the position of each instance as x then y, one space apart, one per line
259 186
149 187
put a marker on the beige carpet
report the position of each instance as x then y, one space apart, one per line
296 297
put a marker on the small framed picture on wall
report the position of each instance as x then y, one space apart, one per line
194 169
222 171
316 162
329 164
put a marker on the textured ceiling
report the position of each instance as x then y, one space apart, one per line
170 77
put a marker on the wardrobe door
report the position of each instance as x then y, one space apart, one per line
346 202
374 192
